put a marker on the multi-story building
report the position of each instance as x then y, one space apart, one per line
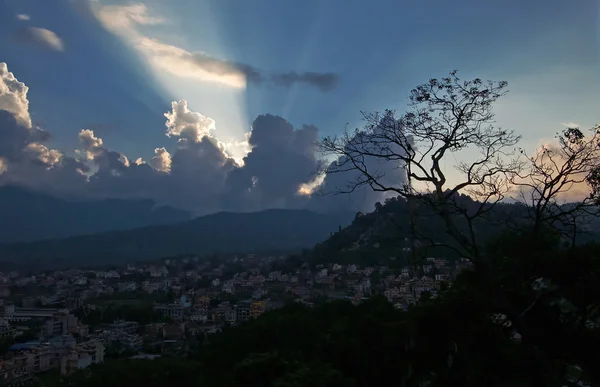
173 311
243 311
59 324
6 330
74 361
257 308
122 326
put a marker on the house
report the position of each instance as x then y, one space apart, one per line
74 361
259 293
257 308
222 312
59 324
243 311
173 311
122 326
199 316
228 287
442 277
6 330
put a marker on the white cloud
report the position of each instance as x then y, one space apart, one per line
41 152
186 124
41 37
125 21
161 160
23 16
184 64
91 144
13 96
124 160
237 150
3 165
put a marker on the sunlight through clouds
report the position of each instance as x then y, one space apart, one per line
174 67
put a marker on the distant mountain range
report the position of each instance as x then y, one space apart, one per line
80 234
225 232
27 216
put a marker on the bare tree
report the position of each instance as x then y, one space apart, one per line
447 118
555 171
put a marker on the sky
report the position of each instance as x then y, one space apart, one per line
216 105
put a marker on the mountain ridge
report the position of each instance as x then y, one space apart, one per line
224 232
28 216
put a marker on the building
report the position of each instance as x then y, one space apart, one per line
74 361
257 308
173 311
59 324
6 330
125 327
243 311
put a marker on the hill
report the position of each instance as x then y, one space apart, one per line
29 216
225 232
384 236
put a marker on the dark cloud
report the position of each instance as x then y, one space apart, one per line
362 197
322 81
40 37
281 160
221 67
14 137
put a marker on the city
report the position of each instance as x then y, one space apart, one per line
57 321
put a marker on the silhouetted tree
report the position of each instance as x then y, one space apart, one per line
554 170
447 117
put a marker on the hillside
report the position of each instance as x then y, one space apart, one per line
29 216
225 232
384 236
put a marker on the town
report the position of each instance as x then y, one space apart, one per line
63 321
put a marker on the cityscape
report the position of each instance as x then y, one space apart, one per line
60 320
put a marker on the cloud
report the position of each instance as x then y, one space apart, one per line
323 81
570 125
13 96
161 160
23 16
188 125
337 178
3 165
275 167
125 21
24 158
282 159
124 18
40 37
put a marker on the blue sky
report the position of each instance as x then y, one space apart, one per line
548 51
